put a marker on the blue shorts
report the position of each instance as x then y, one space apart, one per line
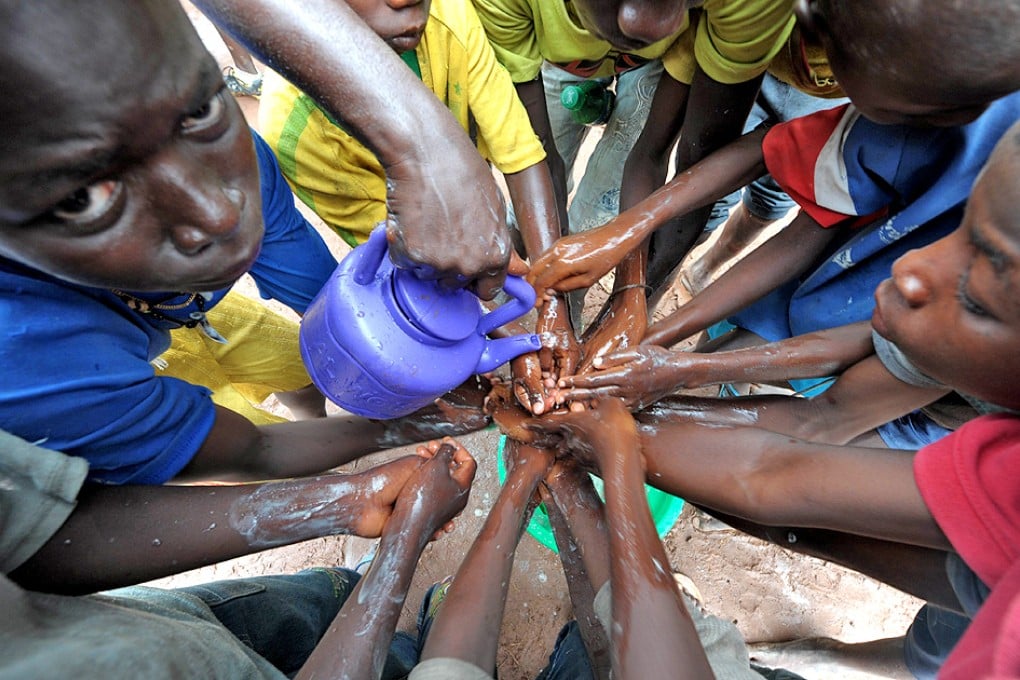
911 432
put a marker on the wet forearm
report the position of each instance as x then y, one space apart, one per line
357 642
646 606
774 480
811 355
583 515
478 594
782 258
120 536
535 206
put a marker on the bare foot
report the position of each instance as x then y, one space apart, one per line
737 233
828 658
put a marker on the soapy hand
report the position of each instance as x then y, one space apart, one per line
580 260
439 488
560 351
621 325
594 436
639 376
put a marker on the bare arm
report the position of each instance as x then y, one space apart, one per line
647 608
780 259
646 166
356 644
642 375
532 95
119 536
467 626
427 166
574 496
581 585
237 450
579 260
775 480
540 221
652 633
863 398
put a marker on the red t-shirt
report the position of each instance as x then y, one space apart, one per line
971 483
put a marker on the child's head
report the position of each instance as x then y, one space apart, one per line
124 161
630 25
919 62
954 307
400 23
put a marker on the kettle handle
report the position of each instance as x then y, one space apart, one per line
372 253
524 299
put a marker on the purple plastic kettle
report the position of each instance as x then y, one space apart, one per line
382 343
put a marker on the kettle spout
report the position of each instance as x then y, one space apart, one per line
501 350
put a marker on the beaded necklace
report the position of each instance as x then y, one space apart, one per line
157 309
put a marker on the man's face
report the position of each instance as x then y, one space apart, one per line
125 163
400 23
953 307
630 25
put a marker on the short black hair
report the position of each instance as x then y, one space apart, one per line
981 37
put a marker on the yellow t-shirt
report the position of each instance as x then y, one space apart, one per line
524 33
733 43
341 180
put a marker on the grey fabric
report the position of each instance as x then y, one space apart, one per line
897 363
153 634
38 488
447 669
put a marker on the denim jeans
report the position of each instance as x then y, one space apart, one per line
776 102
598 192
597 199
282 618
935 631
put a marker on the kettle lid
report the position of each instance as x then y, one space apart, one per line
449 314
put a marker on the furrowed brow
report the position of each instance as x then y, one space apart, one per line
1000 261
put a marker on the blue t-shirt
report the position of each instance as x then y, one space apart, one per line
76 374
910 185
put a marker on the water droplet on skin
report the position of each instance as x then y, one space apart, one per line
156 542
67 541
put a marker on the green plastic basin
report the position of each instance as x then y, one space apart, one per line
665 508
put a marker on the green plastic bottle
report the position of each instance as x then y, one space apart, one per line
589 102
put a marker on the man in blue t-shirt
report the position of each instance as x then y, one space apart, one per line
130 208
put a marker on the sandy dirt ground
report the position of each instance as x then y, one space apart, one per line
770 593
